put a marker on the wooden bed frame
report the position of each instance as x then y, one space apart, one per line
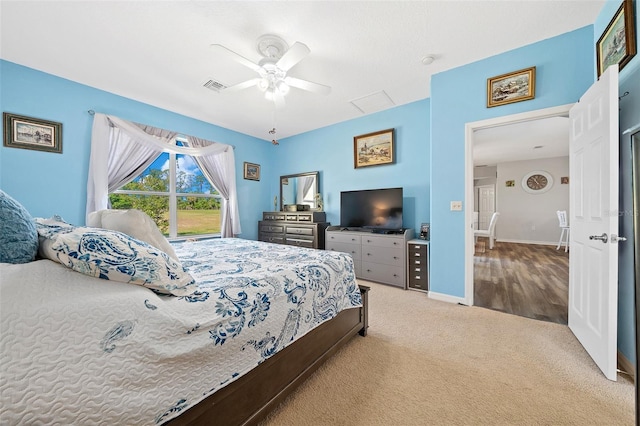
249 399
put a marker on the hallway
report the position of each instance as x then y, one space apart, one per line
522 279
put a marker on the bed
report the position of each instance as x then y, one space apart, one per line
77 349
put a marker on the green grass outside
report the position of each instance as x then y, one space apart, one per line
198 222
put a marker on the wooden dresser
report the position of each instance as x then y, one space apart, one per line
303 229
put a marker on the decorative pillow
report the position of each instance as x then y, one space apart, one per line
18 235
135 223
115 256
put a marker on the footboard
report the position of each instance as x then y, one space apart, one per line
250 398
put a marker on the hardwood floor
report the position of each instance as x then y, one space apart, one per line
522 279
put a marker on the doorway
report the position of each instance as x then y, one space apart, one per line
470 130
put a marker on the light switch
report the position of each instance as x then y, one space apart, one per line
456 206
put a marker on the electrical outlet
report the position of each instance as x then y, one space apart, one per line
456 206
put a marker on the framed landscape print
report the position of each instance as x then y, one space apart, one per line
32 133
512 87
617 44
251 171
373 149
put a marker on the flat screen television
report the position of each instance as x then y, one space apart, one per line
374 209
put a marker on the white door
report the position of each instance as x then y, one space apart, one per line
486 205
593 264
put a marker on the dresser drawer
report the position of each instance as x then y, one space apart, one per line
343 238
264 227
273 216
299 230
352 249
308 243
384 255
418 248
390 242
420 284
383 273
272 238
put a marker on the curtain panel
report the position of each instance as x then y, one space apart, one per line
121 150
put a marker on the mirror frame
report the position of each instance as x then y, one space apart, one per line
317 189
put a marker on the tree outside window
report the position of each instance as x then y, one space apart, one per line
175 194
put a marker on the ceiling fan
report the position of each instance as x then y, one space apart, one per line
272 69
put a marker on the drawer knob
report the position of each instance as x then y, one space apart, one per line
417 254
418 269
417 277
396 257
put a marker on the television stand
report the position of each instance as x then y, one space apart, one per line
377 256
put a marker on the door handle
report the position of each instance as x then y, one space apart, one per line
616 238
602 237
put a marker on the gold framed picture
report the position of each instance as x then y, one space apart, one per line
32 133
617 44
512 87
373 149
251 171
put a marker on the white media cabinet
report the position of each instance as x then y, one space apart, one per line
376 257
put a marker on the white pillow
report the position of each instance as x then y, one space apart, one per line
112 255
135 223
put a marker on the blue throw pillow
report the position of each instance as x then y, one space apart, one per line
18 234
113 256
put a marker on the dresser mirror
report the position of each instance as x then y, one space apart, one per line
300 188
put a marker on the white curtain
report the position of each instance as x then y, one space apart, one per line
121 150
304 185
217 169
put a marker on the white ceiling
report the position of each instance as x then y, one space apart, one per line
159 52
530 140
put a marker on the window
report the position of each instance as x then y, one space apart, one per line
175 194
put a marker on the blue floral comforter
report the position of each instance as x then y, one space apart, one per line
79 350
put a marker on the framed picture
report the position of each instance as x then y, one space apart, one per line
510 183
564 180
515 86
617 44
251 171
32 133
373 149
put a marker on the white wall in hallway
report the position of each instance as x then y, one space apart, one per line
526 217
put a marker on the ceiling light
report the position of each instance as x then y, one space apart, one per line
263 84
428 60
282 87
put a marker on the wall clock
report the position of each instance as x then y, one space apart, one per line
537 182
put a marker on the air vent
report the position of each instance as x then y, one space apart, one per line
214 85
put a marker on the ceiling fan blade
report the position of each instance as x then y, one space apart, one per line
238 58
243 85
308 85
295 54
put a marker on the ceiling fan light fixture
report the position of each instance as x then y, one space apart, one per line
282 87
263 84
268 95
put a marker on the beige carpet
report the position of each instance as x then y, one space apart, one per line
427 362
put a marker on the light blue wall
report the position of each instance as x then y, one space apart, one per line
564 67
47 183
329 150
629 117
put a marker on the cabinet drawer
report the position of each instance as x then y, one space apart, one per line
271 228
383 273
353 249
418 284
343 238
373 240
273 216
272 238
418 248
299 230
384 255
300 242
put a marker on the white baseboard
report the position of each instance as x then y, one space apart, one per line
446 298
541 243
